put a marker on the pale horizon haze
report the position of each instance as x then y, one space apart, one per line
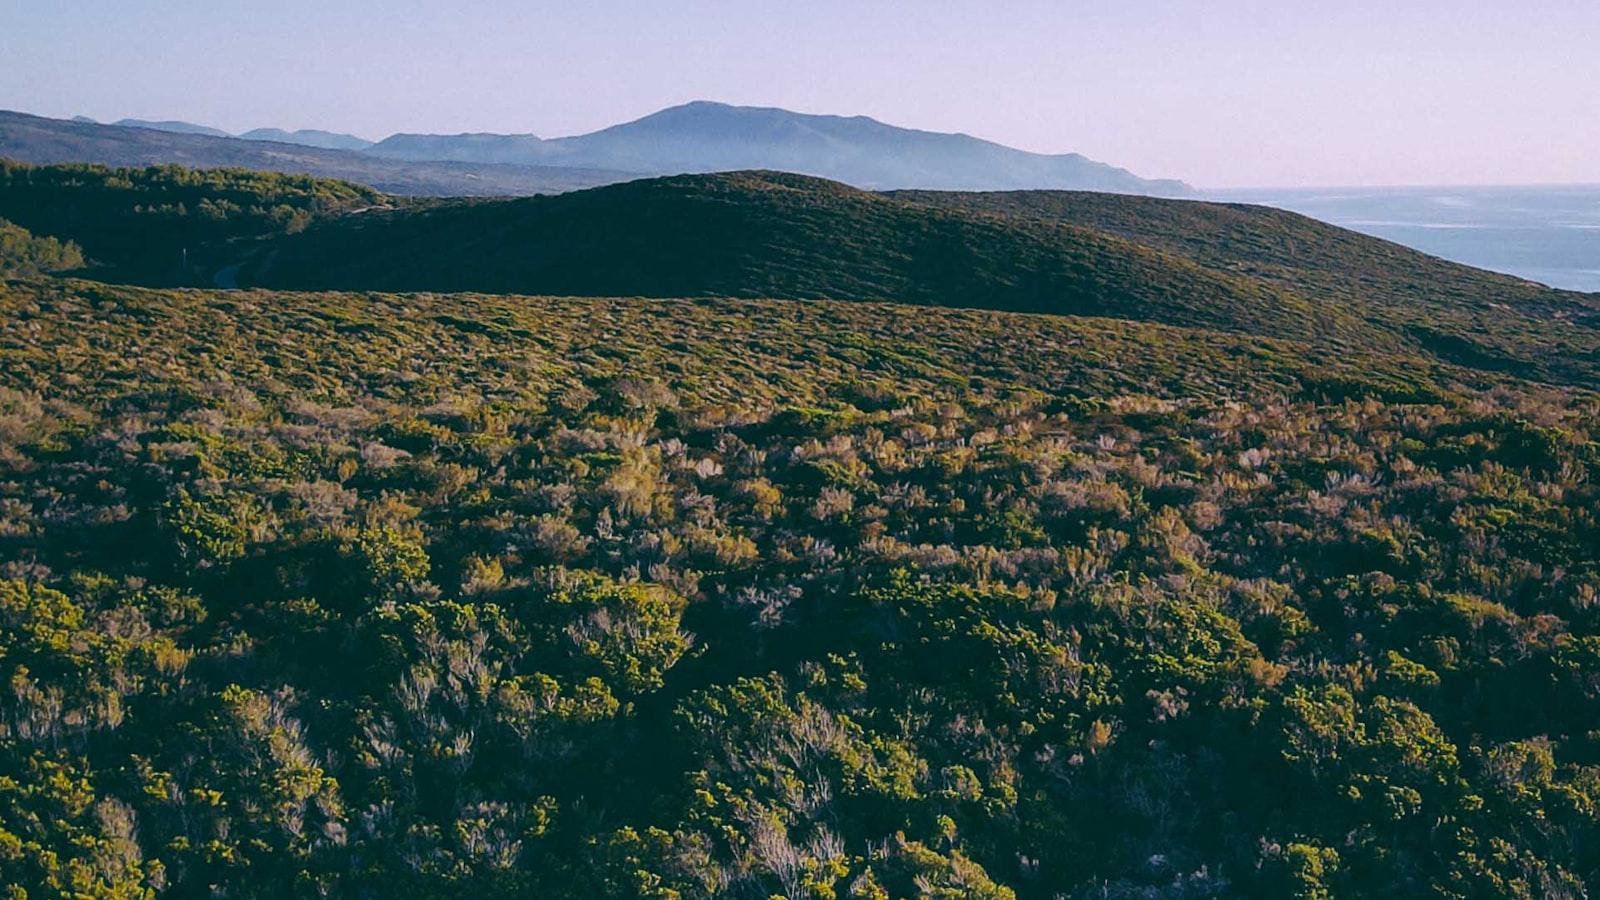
1220 94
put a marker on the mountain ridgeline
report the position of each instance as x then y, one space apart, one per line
711 137
42 141
693 138
306 137
173 126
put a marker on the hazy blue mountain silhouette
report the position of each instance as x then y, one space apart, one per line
174 126
702 137
305 137
308 137
39 140
710 137
510 149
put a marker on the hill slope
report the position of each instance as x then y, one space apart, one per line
34 139
711 137
760 234
1263 241
766 234
1248 269
439 596
1476 317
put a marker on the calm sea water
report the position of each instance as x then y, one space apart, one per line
1546 234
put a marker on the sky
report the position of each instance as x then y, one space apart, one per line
1221 93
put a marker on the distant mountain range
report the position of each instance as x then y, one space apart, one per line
306 137
693 138
715 137
33 139
172 125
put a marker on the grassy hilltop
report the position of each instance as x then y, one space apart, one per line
1211 582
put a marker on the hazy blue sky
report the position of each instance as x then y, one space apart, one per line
1219 92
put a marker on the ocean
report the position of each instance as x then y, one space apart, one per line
1545 234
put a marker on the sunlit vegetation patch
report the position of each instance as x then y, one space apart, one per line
23 254
471 595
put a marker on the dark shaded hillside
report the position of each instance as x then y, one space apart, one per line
34 139
1263 241
763 234
1471 316
1239 268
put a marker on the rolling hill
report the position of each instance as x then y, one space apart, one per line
1262 241
1247 269
1480 318
768 234
711 137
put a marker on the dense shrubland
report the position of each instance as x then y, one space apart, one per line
375 595
1446 309
167 224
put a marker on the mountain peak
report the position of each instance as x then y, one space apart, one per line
706 135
